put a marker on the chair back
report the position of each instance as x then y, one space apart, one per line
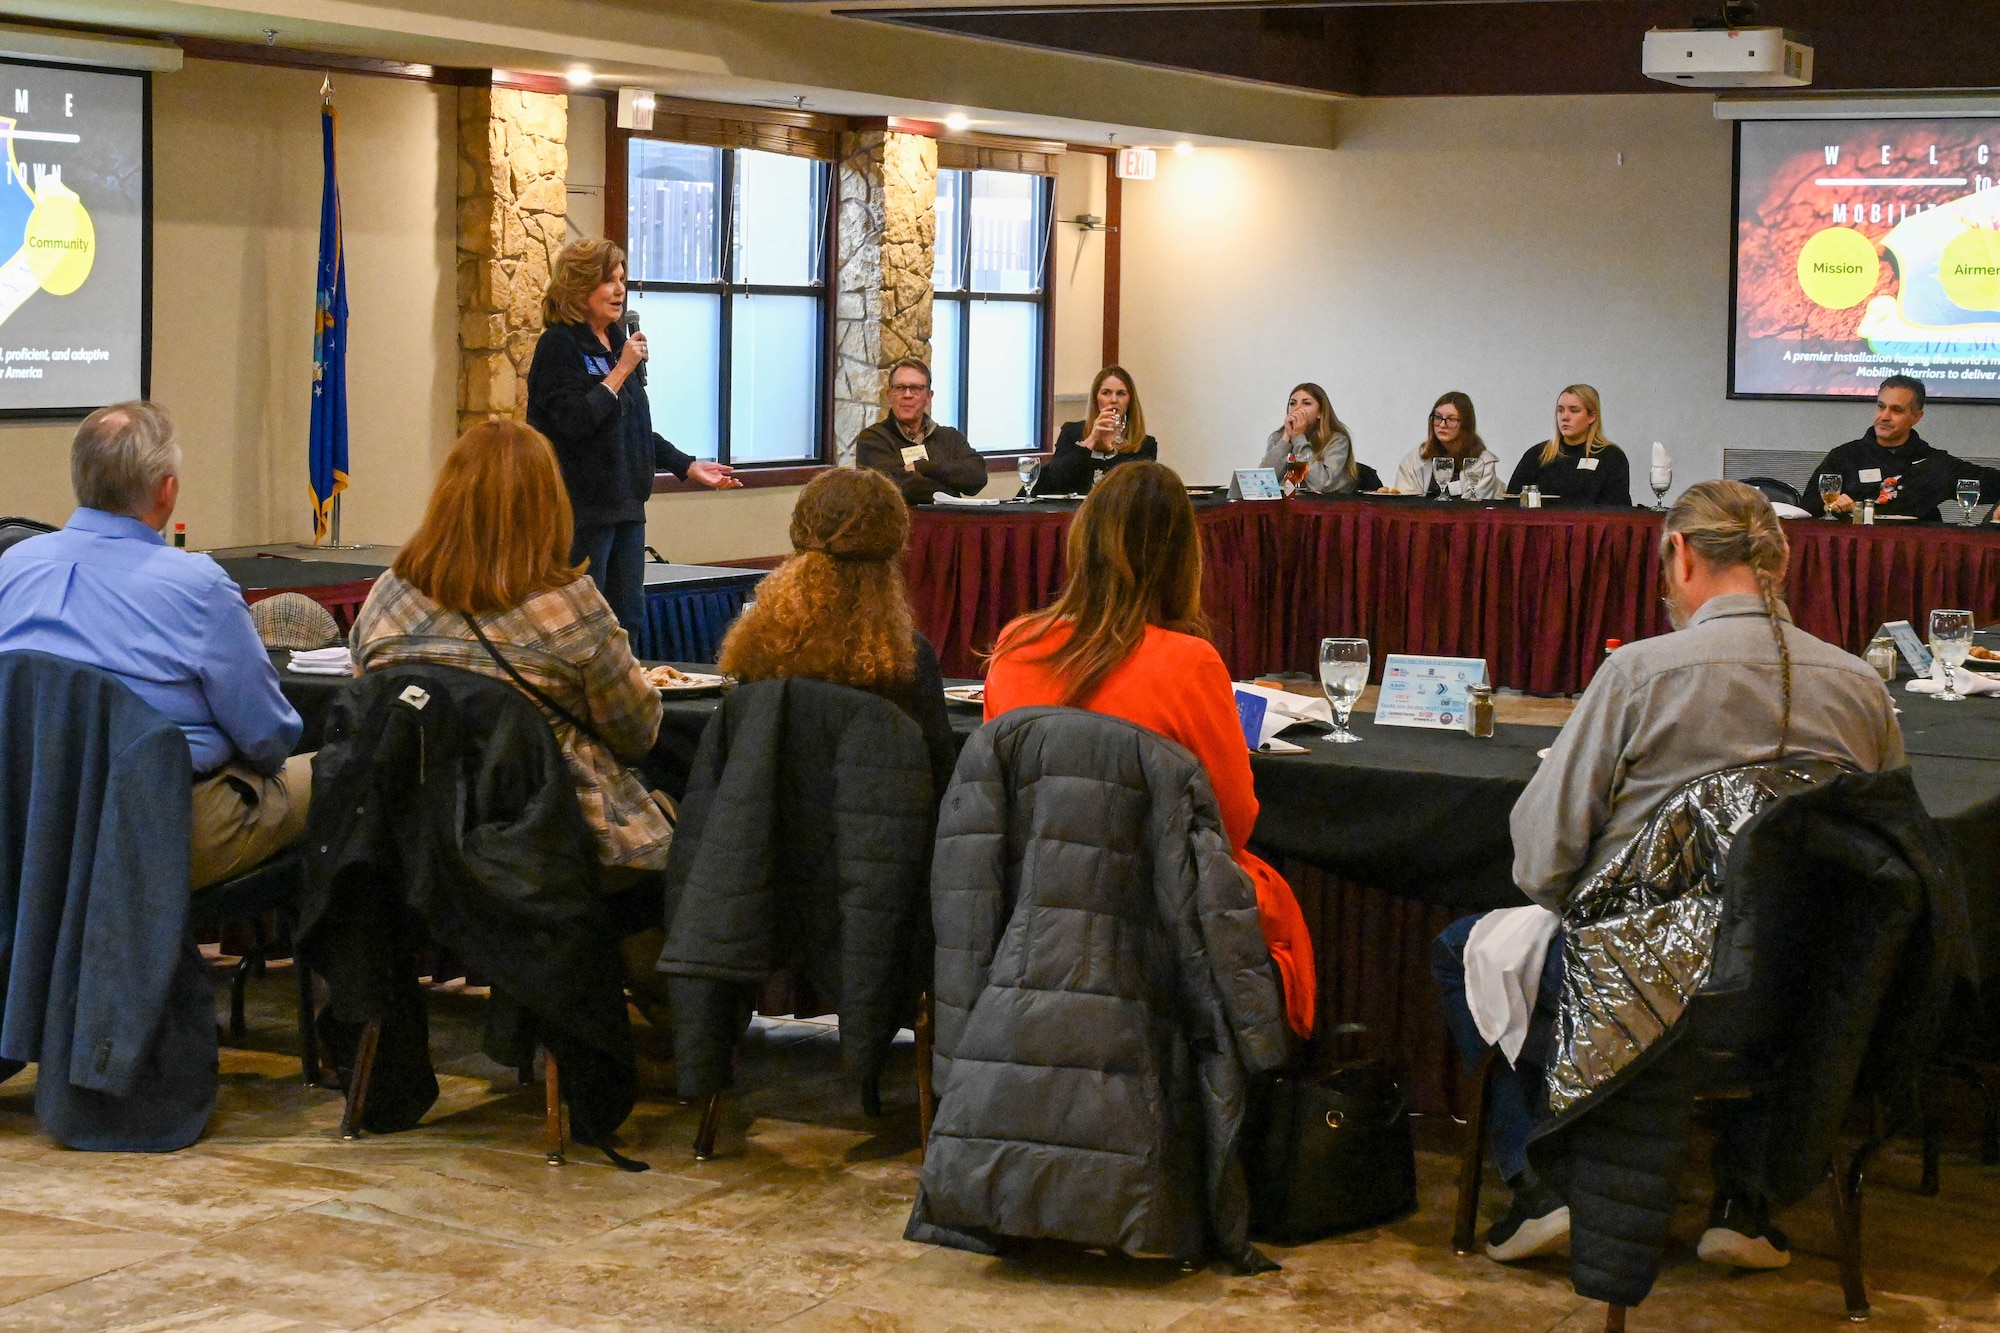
14 530
1775 490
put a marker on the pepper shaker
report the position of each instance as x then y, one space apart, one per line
1479 711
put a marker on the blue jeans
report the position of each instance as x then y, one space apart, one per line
1517 1097
617 556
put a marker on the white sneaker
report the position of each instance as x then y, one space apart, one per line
1528 1237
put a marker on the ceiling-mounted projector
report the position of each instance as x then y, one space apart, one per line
1727 58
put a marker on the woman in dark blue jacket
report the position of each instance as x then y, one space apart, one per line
587 393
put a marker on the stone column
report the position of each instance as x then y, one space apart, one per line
512 162
888 240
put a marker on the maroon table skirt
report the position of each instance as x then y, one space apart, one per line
1534 592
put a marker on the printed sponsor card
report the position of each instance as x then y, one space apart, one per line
1427 691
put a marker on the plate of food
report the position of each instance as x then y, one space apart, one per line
1982 659
678 684
967 696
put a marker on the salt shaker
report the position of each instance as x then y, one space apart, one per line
1867 513
1881 654
1531 497
1479 711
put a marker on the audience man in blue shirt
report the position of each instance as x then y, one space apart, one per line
109 592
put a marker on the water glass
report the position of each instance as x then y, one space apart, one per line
1446 472
1951 641
1968 495
1028 468
1661 479
1343 672
1829 487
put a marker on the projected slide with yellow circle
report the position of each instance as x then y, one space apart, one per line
72 239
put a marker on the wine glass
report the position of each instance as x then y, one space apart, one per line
1951 640
1829 487
1343 672
1028 467
1296 464
1446 471
1661 479
1968 495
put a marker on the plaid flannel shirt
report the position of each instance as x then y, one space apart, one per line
568 643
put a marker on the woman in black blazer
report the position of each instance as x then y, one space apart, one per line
1083 454
587 393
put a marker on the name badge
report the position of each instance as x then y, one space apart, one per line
597 365
914 453
1586 465
1871 474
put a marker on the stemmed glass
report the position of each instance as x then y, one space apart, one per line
1829 487
1446 471
1951 640
1343 672
1968 495
1027 467
1661 479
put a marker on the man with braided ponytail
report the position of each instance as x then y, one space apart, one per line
1735 683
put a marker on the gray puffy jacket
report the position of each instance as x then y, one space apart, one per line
1103 991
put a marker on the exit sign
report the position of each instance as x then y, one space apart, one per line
1137 164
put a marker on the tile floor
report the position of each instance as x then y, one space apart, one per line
272 1223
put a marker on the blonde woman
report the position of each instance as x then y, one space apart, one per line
1116 433
1578 464
1313 432
587 394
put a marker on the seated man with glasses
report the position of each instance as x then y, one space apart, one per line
920 456
107 591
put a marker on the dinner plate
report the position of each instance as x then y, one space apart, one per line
698 683
1983 664
971 696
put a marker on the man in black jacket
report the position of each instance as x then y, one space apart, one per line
1892 465
920 456
587 393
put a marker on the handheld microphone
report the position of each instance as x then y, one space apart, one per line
632 327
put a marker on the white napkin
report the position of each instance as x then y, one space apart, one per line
1663 466
1283 709
963 501
1783 510
1503 972
322 662
1965 682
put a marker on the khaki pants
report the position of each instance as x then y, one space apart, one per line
242 818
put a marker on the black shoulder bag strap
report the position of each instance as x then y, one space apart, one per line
529 688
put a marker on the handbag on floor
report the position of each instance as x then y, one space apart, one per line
1329 1148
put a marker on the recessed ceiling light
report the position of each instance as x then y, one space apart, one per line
957 121
1184 148
579 76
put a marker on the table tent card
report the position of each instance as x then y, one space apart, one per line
1915 651
1255 483
1427 691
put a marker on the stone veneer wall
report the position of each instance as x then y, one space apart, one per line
887 185
513 161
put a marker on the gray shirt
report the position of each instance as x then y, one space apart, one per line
1327 470
1664 711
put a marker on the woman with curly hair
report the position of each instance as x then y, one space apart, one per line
837 611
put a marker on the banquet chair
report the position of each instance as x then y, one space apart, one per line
1842 962
1775 490
266 890
20 529
804 844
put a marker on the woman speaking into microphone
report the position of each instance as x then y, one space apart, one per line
587 393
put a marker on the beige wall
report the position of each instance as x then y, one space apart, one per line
235 241
1493 245
1078 281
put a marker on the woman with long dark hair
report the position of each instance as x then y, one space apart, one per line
1453 435
1128 638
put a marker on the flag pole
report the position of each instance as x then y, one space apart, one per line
327 438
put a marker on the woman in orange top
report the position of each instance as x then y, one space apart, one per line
1128 638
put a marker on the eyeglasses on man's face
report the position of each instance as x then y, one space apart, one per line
906 389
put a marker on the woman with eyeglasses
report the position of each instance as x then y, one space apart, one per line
1116 433
1578 465
1452 462
1313 448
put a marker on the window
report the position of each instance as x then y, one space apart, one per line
727 272
989 317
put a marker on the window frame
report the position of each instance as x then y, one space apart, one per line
965 295
726 290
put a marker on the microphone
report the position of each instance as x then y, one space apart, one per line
632 327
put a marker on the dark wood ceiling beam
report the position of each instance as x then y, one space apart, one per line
1498 48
